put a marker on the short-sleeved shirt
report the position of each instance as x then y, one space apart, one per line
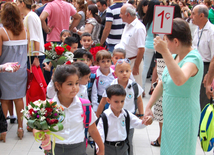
129 100
59 13
113 15
82 21
74 131
203 41
133 38
34 27
211 15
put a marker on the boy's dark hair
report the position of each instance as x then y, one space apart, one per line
102 54
83 68
116 90
89 55
70 41
85 34
102 2
119 50
79 53
62 72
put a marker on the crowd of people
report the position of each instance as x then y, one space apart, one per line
114 78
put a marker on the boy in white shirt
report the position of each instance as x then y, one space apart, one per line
116 138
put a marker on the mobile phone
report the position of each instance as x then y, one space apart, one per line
154 84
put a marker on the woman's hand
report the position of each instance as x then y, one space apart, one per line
74 29
10 67
98 152
160 45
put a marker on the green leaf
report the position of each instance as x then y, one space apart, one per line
54 63
48 104
30 123
46 60
41 106
97 44
37 125
44 125
59 125
53 104
32 105
61 60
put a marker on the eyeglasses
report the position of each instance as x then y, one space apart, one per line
120 61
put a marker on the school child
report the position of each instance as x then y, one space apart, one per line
118 53
72 42
82 55
86 40
66 83
104 77
84 77
64 34
84 74
114 123
133 99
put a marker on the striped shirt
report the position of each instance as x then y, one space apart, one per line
113 15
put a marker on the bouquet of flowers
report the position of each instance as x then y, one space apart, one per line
57 54
95 49
45 116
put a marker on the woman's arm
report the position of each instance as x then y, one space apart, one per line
96 137
88 28
178 75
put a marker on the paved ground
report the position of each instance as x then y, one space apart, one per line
141 142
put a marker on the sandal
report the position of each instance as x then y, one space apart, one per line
155 143
20 133
3 136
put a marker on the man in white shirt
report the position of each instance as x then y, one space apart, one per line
133 40
203 41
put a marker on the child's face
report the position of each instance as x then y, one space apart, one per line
117 56
123 72
84 59
70 88
116 104
74 47
84 80
64 36
104 64
86 41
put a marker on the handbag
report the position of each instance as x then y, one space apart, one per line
36 85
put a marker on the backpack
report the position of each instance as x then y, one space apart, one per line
135 88
90 85
86 105
206 132
105 124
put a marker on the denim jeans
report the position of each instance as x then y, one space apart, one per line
148 54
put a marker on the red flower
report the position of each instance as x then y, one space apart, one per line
68 48
48 46
30 111
52 121
59 50
68 63
49 110
94 50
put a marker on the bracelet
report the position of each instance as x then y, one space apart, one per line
140 115
77 31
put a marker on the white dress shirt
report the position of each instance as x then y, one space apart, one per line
205 37
103 83
129 100
117 125
83 93
51 90
74 130
133 38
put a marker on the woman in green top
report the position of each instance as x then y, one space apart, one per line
180 86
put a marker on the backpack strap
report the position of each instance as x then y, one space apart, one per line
97 80
135 88
105 124
86 105
113 73
206 122
127 117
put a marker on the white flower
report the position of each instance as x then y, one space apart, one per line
69 56
22 111
36 109
42 118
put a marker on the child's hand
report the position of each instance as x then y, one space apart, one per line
47 67
99 152
147 120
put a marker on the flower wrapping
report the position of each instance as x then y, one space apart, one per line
47 117
95 49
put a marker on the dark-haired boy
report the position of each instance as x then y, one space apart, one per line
118 122
72 42
86 40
